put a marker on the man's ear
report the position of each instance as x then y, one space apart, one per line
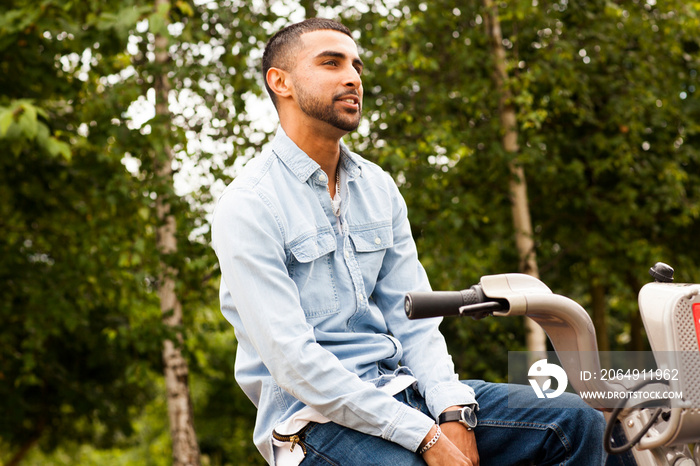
279 81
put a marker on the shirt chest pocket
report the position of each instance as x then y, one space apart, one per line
311 269
371 244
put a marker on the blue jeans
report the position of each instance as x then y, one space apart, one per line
504 436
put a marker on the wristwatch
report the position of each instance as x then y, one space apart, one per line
466 416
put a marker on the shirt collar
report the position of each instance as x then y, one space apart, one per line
294 158
352 163
304 166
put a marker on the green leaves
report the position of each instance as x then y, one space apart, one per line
21 127
6 119
158 20
122 22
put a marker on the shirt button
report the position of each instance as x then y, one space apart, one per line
322 177
360 297
377 240
347 255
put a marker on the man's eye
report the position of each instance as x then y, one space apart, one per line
331 62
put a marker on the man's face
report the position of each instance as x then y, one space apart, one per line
327 80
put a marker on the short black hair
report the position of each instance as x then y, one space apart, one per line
278 51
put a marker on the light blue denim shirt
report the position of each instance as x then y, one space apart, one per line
317 306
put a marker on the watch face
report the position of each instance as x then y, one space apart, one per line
468 417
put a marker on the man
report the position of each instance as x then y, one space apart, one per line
316 255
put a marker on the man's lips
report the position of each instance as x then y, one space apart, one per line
350 98
352 101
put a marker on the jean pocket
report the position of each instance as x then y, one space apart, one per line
311 269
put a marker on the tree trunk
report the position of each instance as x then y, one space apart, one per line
184 440
24 449
536 338
636 324
636 327
600 321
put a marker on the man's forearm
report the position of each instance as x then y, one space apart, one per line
444 452
461 437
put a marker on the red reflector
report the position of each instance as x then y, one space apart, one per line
696 319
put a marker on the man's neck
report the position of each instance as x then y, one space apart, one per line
322 146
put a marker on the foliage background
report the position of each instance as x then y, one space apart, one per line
608 116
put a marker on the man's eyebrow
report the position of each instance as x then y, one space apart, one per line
331 53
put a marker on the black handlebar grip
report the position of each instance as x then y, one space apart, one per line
424 304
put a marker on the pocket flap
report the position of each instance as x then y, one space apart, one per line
372 239
309 247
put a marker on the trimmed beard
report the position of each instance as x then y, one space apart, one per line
313 107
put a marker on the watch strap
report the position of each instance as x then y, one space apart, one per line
466 416
450 416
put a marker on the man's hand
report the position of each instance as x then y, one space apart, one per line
444 452
461 437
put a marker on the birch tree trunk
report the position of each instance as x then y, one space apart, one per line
184 440
536 339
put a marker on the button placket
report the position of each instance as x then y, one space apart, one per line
318 182
357 281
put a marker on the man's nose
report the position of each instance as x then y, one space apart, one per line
352 78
